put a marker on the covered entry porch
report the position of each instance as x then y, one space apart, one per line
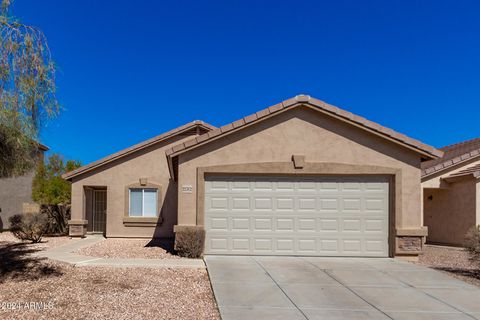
94 212
96 209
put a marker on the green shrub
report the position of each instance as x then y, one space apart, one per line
29 226
472 244
189 242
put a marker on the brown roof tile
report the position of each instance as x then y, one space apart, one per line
472 170
262 113
290 102
238 123
275 108
426 150
250 118
214 133
201 138
226 128
453 154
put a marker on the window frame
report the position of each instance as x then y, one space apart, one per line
143 201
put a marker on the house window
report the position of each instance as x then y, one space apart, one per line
143 202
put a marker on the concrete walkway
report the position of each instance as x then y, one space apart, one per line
337 288
64 254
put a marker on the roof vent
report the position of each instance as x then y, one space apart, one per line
302 98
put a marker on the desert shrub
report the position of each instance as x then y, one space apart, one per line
472 244
57 217
189 242
29 226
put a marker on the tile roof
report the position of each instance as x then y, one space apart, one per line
182 129
473 170
428 151
453 155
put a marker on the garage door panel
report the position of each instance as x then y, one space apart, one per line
331 216
262 204
285 224
314 245
285 204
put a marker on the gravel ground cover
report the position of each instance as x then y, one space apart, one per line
130 248
47 242
453 261
62 291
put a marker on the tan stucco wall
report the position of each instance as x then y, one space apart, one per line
321 139
149 163
15 197
450 212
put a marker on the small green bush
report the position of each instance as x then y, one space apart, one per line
472 244
189 242
29 226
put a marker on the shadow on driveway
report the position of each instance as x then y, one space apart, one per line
471 273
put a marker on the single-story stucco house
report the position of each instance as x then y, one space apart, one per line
16 193
301 177
451 193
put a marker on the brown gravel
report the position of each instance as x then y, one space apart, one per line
129 248
99 292
453 261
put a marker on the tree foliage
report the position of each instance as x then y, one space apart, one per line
27 91
53 193
49 188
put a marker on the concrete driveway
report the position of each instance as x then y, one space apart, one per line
336 288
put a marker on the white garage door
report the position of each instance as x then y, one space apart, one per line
317 216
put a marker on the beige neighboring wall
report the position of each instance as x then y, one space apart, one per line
321 139
149 163
450 212
450 208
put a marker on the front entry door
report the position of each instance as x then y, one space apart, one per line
99 211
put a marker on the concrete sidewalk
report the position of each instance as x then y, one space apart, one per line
64 254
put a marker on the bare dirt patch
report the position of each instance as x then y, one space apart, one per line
98 292
453 261
130 249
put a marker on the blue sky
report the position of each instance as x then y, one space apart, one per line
130 70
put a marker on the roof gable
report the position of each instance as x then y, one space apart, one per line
426 151
197 124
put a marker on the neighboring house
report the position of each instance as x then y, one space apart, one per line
451 192
16 194
299 178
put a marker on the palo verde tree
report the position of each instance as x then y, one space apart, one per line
27 92
53 193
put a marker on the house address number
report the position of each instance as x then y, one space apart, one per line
186 188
